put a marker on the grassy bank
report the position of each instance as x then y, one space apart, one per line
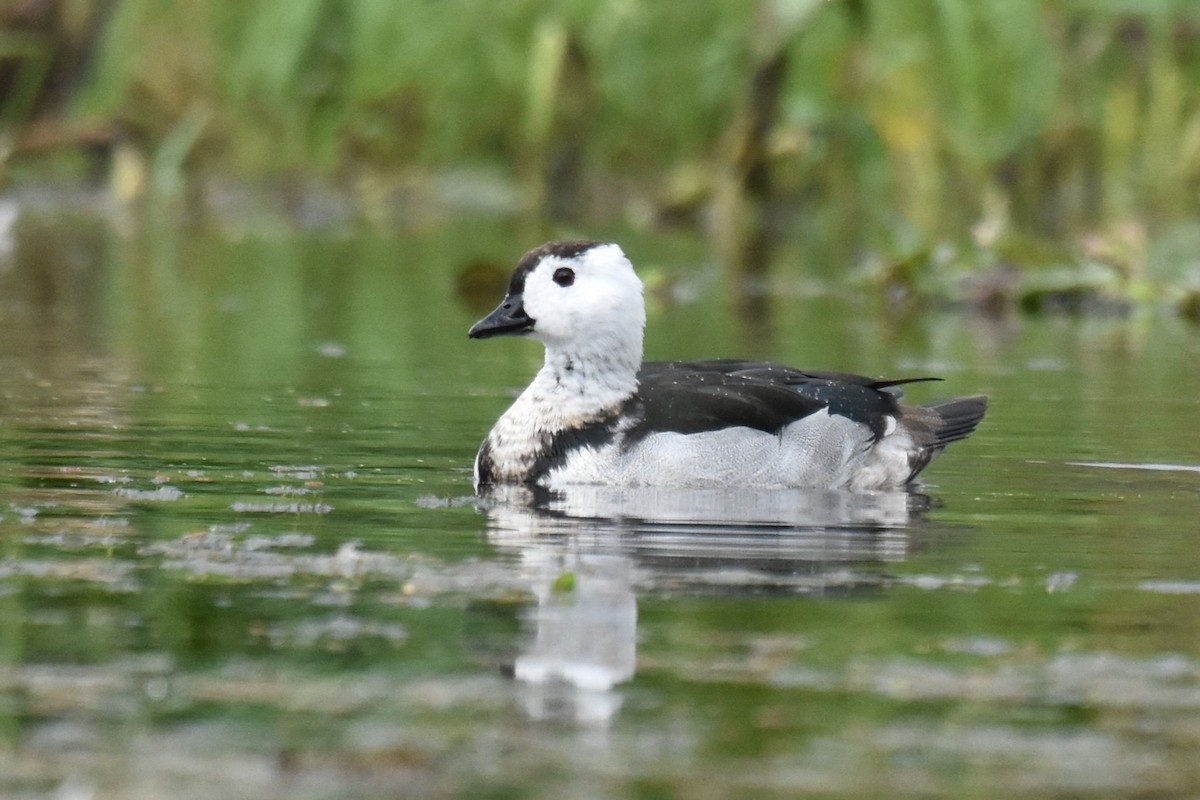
918 139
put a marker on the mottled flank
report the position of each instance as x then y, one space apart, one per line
549 452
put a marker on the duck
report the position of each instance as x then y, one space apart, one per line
596 414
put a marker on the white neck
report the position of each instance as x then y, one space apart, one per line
585 381
579 382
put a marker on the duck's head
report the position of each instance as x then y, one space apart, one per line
573 295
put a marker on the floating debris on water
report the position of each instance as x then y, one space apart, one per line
335 632
116 573
287 490
301 473
289 540
431 501
931 582
281 508
978 646
1061 581
163 494
1170 587
331 349
1151 467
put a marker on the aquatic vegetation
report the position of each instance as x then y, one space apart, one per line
863 132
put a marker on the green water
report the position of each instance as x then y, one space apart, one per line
239 559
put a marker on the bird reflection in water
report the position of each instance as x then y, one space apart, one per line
587 552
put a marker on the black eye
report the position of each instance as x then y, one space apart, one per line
564 276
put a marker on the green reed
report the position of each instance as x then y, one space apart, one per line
999 127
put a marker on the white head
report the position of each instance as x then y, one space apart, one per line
580 299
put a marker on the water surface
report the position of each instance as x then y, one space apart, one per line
239 555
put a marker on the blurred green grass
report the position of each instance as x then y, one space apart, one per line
1062 134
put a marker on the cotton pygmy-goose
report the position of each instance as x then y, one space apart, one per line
596 414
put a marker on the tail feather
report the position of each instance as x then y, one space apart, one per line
937 424
957 418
